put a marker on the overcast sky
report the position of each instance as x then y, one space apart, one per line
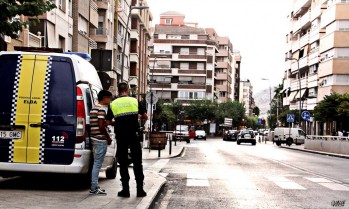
257 28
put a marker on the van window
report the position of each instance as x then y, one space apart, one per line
88 100
301 133
62 96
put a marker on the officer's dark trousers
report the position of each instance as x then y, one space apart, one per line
124 141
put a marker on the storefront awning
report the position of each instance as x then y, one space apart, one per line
292 95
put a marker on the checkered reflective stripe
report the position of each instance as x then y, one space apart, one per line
14 104
44 110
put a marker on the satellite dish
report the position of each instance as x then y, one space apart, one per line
105 79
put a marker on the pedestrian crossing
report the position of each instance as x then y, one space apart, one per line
287 182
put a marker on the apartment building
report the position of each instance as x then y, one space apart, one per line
225 82
191 63
246 96
318 43
182 64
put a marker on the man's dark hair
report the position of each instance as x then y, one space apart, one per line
122 87
104 93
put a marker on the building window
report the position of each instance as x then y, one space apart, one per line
184 51
168 21
184 66
70 8
61 5
200 66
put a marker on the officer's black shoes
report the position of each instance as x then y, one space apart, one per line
141 192
124 193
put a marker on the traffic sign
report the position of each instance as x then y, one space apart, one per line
306 115
149 99
259 121
228 121
290 118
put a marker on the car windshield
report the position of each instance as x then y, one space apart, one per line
182 128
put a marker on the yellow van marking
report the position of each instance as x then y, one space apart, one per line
22 109
29 108
38 84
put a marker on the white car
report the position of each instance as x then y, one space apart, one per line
200 134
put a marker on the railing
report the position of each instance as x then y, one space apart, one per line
328 138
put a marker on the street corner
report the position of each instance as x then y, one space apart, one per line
172 151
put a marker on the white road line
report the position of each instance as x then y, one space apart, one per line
198 183
319 180
156 167
285 183
197 179
335 186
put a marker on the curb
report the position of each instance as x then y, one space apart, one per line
318 152
169 157
152 193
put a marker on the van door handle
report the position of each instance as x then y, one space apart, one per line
38 125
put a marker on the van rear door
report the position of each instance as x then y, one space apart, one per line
38 108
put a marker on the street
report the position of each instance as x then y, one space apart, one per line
208 174
219 174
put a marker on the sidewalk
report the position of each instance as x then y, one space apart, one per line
301 148
153 183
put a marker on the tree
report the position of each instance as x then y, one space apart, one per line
234 110
200 110
9 25
256 111
333 107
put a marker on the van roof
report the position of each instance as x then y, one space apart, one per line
84 70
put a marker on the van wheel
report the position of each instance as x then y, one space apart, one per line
278 143
289 141
111 172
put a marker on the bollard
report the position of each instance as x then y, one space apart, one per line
170 147
159 149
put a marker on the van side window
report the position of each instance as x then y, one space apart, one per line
88 100
301 133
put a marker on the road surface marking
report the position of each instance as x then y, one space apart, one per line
156 167
285 183
335 186
319 180
197 179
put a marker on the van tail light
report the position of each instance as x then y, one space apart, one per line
81 117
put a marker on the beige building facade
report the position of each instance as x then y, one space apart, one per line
318 42
246 96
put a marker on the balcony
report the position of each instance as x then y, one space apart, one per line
99 34
160 86
221 76
312 81
294 66
314 35
336 12
223 65
311 103
295 45
296 25
134 57
192 56
102 4
191 86
305 19
288 65
304 40
222 87
303 62
34 40
335 39
314 57
134 34
315 12
300 6
334 66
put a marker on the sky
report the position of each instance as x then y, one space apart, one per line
257 28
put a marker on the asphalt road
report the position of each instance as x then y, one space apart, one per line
218 174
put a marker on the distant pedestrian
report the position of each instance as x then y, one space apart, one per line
126 112
100 138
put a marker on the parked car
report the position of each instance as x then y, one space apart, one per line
200 134
246 136
44 114
230 135
181 133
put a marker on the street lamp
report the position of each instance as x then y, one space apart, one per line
266 79
125 37
300 89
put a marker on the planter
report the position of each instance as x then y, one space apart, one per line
156 139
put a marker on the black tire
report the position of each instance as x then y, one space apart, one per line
253 143
111 172
289 141
205 138
278 143
238 143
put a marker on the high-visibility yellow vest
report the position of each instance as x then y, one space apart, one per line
124 106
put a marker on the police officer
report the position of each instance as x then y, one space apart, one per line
126 112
